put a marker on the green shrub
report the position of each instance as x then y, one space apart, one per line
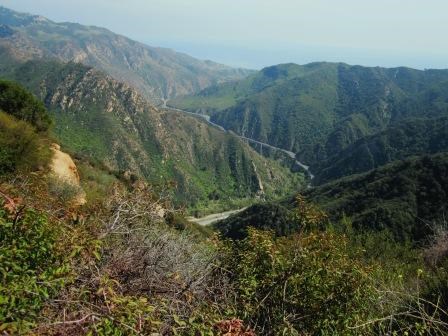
20 146
62 190
302 284
31 268
20 103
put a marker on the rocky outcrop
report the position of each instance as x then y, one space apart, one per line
64 169
259 181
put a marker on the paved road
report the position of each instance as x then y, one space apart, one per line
202 116
290 154
210 219
207 118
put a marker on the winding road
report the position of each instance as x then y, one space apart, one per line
210 219
207 118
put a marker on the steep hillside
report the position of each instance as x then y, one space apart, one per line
405 197
411 137
267 216
157 73
24 124
109 122
319 109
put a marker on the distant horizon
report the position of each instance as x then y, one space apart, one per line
244 52
216 53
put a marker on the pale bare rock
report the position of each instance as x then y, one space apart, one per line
64 168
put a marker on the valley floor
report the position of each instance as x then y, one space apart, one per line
210 219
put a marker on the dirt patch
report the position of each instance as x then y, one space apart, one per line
64 168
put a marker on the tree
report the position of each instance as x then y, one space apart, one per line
20 103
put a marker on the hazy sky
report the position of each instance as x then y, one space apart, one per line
256 33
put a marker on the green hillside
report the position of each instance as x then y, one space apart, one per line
318 110
108 122
406 197
24 125
267 216
401 140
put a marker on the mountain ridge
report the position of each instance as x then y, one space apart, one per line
108 121
397 142
406 196
319 109
158 73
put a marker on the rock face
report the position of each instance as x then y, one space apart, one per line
63 168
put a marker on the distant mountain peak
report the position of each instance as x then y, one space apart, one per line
157 73
18 19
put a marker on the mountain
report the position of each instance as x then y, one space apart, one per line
397 142
157 73
319 109
327 280
109 122
267 216
407 197
124 259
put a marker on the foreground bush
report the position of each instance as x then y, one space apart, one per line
32 267
303 284
119 268
141 275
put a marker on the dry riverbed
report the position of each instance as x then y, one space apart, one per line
210 219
